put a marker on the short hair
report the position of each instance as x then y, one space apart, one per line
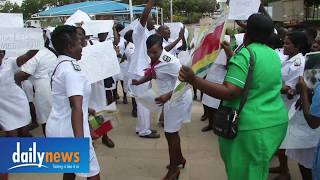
128 35
3 52
119 27
299 40
62 37
161 28
259 28
153 40
83 31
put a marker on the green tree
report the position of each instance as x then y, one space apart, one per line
30 7
9 7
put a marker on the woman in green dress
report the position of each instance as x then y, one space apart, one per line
264 118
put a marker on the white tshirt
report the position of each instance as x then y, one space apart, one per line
140 56
129 52
67 82
39 68
167 72
281 54
292 69
40 65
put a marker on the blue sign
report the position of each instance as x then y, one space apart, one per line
44 155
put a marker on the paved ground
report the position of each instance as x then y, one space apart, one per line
134 158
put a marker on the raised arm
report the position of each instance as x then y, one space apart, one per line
146 12
184 41
173 44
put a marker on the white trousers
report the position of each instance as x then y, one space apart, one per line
143 123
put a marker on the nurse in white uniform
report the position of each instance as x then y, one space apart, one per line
123 65
141 61
128 55
14 106
38 69
165 70
174 47
216 74
70 96
299 137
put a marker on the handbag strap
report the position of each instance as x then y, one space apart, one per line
248 83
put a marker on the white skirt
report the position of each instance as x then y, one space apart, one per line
177 113
14 108
28 89
94 164
42 100
299 134
305 157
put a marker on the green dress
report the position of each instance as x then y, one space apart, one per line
264 118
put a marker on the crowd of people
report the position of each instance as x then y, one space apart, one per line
281 115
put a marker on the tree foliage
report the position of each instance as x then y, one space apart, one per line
9 7
184 10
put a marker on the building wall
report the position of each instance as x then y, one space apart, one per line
288 10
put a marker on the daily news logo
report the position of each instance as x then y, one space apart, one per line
47 155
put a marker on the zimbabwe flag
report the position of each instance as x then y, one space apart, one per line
208 49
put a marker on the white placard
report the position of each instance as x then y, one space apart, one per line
21 39
129 27
98 26
175 28
242 9
11 20
99 61
78 17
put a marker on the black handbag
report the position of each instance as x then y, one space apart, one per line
226 120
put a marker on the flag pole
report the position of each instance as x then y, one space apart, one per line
131 10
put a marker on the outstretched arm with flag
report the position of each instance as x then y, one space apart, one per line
205 53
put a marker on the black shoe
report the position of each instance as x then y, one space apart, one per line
108 142
206 129
134 113
151 136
